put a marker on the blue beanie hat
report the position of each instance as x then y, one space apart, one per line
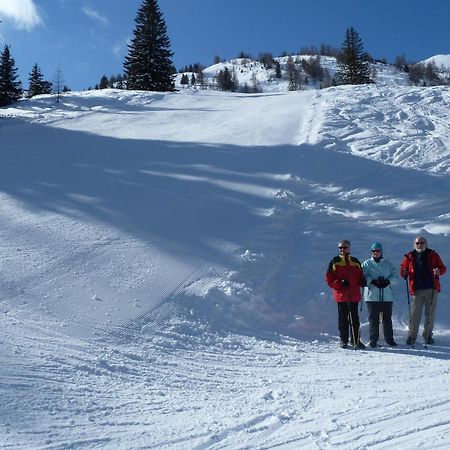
376 246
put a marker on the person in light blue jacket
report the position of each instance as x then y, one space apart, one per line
380 274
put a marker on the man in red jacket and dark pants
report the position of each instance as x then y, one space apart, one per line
423 267
345 277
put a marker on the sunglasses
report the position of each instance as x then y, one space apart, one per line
420 243
343 248
376 250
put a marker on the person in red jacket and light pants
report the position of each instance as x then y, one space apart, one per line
423 267
345 277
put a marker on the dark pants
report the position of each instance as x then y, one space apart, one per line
375 308
348 313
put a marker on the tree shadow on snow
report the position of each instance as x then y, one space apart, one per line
282 209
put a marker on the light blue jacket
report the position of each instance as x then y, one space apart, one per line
373 270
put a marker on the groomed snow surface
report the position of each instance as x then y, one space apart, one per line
162 269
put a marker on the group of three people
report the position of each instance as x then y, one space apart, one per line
346 276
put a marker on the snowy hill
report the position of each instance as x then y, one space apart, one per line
252 74
441 61
163 258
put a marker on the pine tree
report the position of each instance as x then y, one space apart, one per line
278 74
353 61
10 88
201 78
38 85
225 80
103 82
148 65
184 79
293 75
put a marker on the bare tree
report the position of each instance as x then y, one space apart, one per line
416 73
431 73
58 83
400 62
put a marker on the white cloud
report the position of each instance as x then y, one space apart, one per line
92 14
22 13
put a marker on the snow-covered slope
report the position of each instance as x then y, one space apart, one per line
252 74
162 261
441 61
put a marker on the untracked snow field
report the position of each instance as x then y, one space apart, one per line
162 262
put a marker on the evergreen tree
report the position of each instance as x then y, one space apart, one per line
184 79
353 64
38 85
10 88
103 82
278 74
293 75
225 80
201 78
148 65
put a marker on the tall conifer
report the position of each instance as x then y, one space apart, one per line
148 65
10 88
353 64
38 85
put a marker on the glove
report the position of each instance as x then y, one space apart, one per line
363 282
381 283
376 283
344 283
404 274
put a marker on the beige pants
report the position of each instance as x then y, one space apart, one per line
426 298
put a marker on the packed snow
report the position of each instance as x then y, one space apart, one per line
163 258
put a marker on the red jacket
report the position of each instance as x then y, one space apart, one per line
408 268
345 268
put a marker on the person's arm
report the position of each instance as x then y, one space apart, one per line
437 266
404 267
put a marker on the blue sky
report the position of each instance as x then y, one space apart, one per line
88 38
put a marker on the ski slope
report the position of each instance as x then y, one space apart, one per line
162 268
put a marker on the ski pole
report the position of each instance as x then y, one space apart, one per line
380 314
350 318
409 300
428 317
428 334
409 306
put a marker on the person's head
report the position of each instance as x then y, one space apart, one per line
376 249
420 244
344 247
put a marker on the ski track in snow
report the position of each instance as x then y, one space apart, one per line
270 394
161 277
